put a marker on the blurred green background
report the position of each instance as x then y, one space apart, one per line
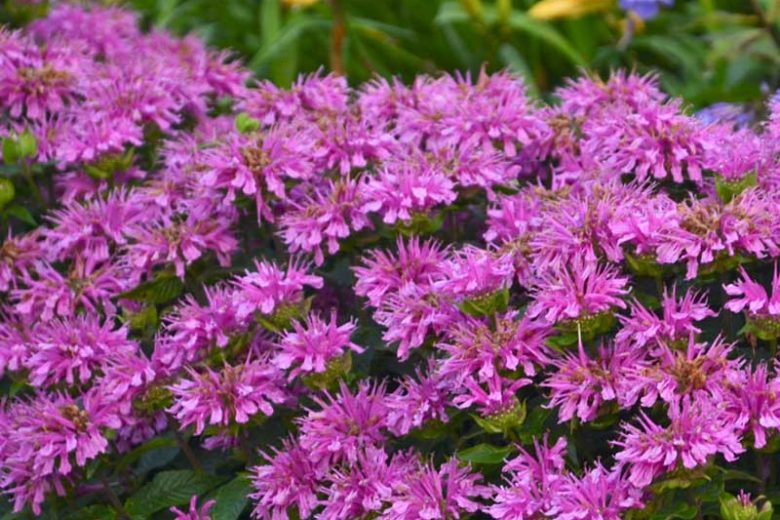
704 50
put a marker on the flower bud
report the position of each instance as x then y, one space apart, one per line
506 420
7 192
742 508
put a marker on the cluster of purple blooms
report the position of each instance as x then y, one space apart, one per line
515 258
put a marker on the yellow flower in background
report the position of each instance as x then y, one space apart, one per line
299 3
555 9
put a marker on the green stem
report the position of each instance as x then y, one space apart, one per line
659 286
188 453
773 347
115 502
28 175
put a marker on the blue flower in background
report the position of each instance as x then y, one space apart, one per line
726 113
645 9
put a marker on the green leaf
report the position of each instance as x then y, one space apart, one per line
533 427
515 62
270 20
548 34
232 499
135 454
288 36
164 288
10 151
22 214
735 474
484 454
451 12
168 489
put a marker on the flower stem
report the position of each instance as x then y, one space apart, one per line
115 502
188 453
337 34
28 176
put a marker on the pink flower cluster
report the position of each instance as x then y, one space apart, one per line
402 302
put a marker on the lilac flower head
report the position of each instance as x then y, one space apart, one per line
258 165
678 320
87 284
289 479
582 385
532 482
344 424
580 290
449 492
590 95
311 345
699 370
698 430
494 112
18 256
417 400
474 272
95 227
71 350
181 242
754 401
44 438
365 487
329 215
411 315
191 329
400 192
656 141
747 294
509 344
41 80
195 512
233 395
268 287
733 115
599 493
384 272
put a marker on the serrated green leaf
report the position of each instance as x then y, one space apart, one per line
135 454
484 454
168 489
232 499
149 446
164 288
